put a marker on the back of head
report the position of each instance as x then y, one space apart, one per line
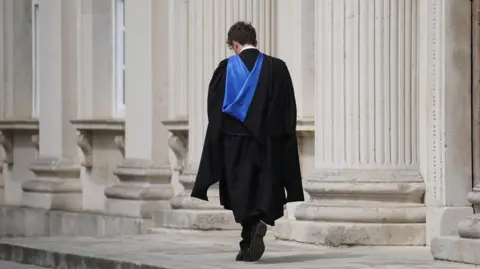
242 33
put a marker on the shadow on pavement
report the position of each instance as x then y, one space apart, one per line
305 257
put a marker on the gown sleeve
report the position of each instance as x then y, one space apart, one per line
209 170
293 178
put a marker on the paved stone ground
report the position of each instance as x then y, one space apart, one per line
207 250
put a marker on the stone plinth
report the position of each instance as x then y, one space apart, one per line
465 247
359 208
56 185
143 189
191 213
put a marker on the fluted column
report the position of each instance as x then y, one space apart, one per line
208 24
366 188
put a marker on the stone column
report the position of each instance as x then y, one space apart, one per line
177 120
208 24
3 56
367 188
56 184
448 47
296 24
145 174
99 125
445 112
17 127
296 19
2 59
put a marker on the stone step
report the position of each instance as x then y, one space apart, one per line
32 222
12 265
203 250
194 219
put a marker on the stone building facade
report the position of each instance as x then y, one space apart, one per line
102 116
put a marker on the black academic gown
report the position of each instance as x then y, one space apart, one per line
266 150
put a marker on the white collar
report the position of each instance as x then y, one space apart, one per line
246 47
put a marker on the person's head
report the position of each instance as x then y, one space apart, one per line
240 35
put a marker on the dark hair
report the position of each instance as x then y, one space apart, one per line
243 33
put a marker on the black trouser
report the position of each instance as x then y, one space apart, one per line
247 230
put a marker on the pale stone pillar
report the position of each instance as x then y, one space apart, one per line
145 174
2 89
208 24
96 99
295 44
3 56
100 125
367 188
57 184
177 120
445 112
448 49
17 128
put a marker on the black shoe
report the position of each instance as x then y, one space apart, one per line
257 246
240 256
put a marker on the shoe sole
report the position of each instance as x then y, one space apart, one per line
257 246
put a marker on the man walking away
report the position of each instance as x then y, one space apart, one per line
250 146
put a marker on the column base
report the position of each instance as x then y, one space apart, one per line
195 219
342 233
464 248
145 187
195 214
456 249
53 201
52 194
442 221
360 207
56 185
191 213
